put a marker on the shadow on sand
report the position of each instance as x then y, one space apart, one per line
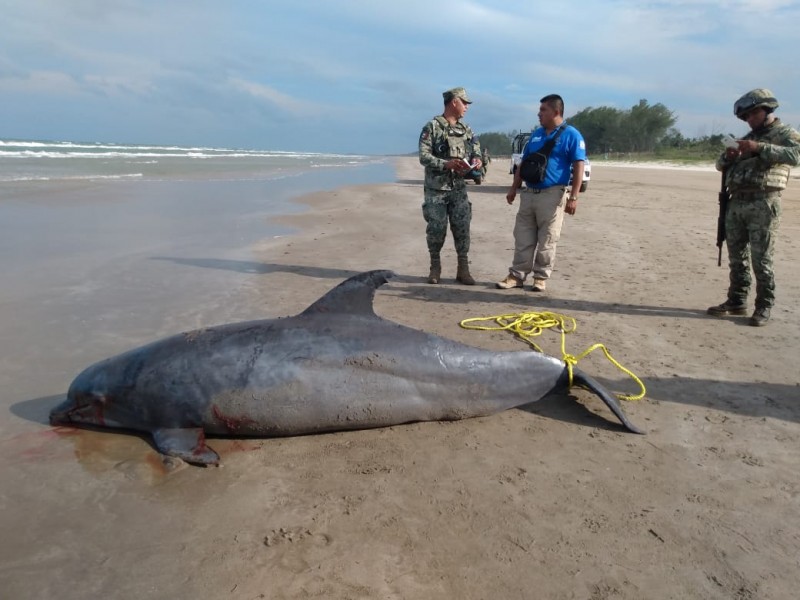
482 292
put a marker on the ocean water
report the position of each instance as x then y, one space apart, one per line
107 246
148 195
25 161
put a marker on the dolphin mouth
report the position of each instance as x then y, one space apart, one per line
60 415
59 419
70 412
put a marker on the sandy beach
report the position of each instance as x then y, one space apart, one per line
553 500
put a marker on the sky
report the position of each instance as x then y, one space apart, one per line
363 76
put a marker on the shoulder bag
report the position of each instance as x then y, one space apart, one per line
533 168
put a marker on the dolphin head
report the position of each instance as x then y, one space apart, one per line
101 395
130 392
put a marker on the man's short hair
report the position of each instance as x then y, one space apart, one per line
555 102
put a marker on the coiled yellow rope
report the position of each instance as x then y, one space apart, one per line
531 324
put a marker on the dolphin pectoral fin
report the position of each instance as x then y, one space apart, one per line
582 379
188 444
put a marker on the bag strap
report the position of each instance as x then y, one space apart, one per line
548 146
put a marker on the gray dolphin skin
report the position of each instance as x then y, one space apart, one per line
336 366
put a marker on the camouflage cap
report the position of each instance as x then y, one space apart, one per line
458 92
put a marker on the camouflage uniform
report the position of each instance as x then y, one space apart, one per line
754 182
445 191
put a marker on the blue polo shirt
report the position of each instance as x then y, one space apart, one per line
569 148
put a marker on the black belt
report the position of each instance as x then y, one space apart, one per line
540 190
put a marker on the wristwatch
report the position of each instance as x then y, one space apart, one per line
572 198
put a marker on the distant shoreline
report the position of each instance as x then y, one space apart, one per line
632 164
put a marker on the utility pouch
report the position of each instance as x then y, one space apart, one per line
533 168
453 140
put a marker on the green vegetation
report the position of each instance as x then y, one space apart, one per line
643 132
498 144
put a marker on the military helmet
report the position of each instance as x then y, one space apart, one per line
757 98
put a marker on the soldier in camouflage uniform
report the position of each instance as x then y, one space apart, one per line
755 173
449 150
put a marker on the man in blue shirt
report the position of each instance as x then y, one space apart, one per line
543 203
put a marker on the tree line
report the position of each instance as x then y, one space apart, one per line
643 129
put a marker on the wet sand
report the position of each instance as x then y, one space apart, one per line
549 501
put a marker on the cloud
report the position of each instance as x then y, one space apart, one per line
273 97
119 85
39 83
333 71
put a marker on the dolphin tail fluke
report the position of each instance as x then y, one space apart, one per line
188 444
582 379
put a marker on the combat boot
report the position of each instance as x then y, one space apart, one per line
760 317
462 275
436 270
728 307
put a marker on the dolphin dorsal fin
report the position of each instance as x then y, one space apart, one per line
354 295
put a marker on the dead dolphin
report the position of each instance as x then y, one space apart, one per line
335 366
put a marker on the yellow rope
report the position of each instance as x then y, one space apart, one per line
531 324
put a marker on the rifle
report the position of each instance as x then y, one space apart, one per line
724 198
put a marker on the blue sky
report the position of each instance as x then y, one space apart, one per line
363 76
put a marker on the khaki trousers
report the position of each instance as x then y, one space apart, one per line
537 230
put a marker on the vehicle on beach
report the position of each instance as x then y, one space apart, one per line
518 145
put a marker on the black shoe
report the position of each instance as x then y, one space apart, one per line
728 308
760 317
